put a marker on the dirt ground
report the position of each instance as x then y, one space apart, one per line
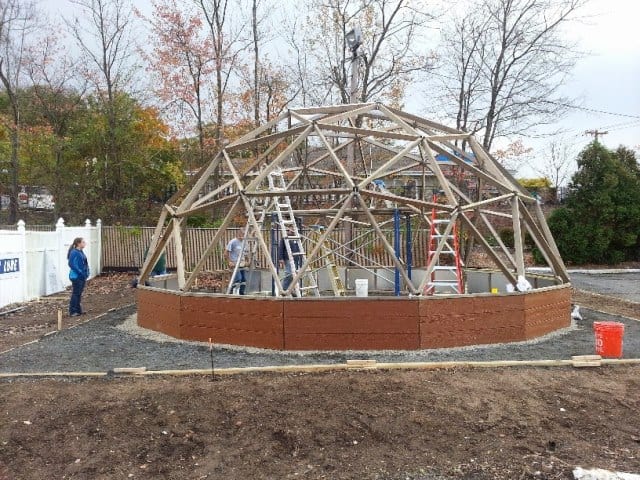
34 319
509 423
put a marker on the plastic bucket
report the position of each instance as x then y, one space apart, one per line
362 287
608 338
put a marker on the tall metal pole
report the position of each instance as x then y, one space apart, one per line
409 245
396 244
350 167
353 97
274 249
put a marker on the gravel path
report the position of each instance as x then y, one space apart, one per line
621 285
115 341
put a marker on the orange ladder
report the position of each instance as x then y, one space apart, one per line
446 276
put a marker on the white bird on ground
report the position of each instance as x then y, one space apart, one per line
575 313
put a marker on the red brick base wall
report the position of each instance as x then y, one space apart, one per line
371 323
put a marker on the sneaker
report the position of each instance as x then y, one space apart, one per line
75 314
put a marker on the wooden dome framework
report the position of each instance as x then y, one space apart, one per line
339 136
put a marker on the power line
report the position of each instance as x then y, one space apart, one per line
592 110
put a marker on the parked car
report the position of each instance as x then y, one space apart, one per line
35 198
32 197
23 198
40 198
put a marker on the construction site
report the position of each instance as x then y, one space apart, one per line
355 224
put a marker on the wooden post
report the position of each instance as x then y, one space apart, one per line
59 319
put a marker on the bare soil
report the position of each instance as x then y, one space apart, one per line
30 321
509 423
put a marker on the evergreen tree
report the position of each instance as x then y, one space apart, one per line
601 220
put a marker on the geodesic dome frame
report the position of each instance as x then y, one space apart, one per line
339 137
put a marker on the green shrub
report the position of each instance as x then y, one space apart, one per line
506 235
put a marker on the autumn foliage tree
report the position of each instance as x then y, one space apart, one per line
181 64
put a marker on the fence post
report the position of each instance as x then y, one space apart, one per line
22 231
88 249
62 257
99 233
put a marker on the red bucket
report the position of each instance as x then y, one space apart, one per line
608 338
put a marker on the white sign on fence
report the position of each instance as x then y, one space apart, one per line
34 263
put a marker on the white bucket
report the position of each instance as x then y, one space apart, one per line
362 287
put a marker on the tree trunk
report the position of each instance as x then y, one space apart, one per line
256 65
15 165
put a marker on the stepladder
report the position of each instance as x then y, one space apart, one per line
443 256
329 261
291 249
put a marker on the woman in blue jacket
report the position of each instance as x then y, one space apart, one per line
78 274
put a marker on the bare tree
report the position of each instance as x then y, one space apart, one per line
391 31
103 33
462 84
59 93
17 17
300 69
558 162
266 79
227 44
508 60
255 25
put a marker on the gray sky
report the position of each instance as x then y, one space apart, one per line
609 78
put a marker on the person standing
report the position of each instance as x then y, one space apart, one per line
78 274
234 253
283 257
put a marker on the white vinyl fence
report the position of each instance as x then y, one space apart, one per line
34 263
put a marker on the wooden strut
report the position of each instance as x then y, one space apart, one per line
320 123
363 364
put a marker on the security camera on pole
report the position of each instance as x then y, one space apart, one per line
354 40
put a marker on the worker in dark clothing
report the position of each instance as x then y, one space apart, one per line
283 257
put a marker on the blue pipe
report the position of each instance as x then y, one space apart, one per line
396 243
274 249
409 244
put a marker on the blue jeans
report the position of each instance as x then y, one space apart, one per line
240 280
77 286
288 274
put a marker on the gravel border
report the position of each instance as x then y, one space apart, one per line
114 340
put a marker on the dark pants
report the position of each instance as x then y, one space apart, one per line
77 286
240 280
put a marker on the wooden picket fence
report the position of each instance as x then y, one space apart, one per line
125 247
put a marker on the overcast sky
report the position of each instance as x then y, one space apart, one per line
607 80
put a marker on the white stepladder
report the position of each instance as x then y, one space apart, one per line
291 234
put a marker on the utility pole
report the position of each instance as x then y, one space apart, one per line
595 133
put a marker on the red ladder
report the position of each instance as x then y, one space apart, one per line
446 276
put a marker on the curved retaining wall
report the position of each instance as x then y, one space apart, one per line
352 323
